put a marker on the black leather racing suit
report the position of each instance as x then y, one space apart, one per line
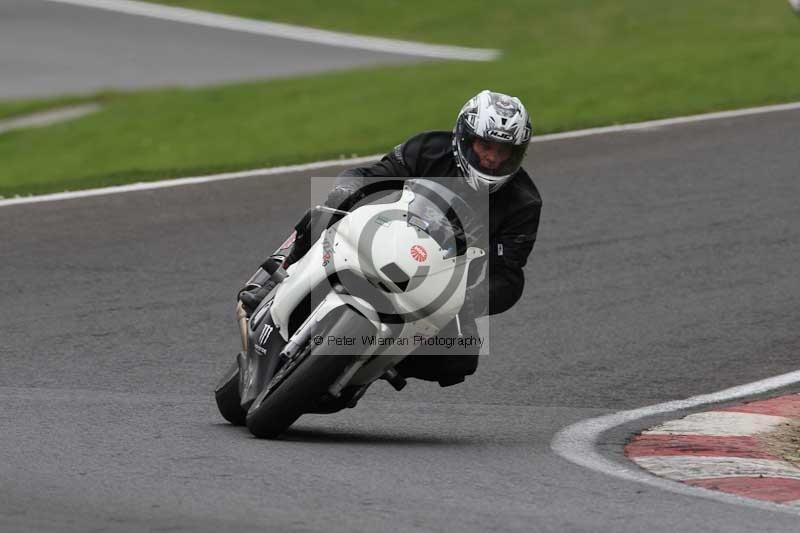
514 209
514 212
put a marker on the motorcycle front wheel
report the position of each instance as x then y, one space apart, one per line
298 386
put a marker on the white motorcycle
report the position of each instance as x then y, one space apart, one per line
384 278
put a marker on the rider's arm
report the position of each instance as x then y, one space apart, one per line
399 163
509 251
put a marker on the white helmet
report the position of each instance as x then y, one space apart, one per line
494 118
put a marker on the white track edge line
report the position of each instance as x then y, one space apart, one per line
287 31
660 123
577 443
178 182
359 160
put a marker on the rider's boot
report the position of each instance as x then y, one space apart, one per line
446 366
273 270
262 282
251 298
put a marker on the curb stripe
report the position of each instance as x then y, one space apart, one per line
736 465
788 406
719 423
287 31
776 490
696 445
578 442
681 468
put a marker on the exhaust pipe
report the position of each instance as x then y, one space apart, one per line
241 317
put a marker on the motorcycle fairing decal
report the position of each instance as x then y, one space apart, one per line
260 314
265 333
419 253
327 250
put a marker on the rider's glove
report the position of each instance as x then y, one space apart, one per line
343 197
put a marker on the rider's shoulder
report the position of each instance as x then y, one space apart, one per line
428 145
522 189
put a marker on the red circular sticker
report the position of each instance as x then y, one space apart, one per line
419 253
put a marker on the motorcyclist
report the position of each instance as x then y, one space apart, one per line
485 148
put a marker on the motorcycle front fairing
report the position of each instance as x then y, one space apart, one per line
416 286
263 357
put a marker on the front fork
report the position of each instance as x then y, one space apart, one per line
241 318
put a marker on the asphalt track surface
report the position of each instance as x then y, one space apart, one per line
666 267
49 49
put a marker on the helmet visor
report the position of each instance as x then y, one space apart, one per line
492 158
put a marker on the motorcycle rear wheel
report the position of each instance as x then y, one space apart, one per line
302 383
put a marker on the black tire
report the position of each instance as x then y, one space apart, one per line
301 384
226 393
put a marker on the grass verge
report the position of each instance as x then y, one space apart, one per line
575 65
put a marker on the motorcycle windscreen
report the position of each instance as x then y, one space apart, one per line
450 212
